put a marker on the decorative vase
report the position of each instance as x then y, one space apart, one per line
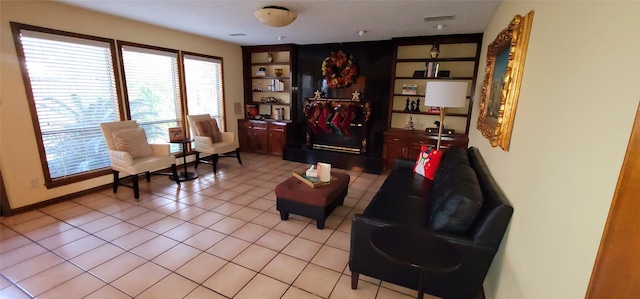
270 57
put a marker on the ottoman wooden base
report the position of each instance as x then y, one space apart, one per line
294 196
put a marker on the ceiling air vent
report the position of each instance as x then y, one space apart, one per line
439 18
237 34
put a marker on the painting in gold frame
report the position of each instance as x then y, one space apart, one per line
505 64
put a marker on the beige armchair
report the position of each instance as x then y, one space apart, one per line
130 153
203 131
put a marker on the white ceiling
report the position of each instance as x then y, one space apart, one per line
325 21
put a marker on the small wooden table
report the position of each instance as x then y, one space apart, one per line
417 248
184 176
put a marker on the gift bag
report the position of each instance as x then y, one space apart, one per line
428 162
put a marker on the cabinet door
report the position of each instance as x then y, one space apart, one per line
244 135
276 139
260 139
276 142
394 147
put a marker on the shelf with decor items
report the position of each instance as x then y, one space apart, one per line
417 61
269 75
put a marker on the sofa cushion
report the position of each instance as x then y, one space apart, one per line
399 208
209 128
133 141
455 203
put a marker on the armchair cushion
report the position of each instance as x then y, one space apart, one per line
209 128
133 141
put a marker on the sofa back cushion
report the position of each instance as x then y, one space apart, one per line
456 197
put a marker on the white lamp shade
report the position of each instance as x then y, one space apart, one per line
275 16
446 94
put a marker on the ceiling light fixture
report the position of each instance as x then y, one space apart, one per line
275 16
362 32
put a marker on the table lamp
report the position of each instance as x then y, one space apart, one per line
445 95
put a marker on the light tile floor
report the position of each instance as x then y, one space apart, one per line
219 236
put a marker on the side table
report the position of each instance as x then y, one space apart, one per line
417 248
184 176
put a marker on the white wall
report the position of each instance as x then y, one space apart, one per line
19 157
580 91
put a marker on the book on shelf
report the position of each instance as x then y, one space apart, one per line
409 89
432 69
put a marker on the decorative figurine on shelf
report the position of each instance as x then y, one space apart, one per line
417 109
406 107
269 57
355 95
413 106
278 72
317 94
409 126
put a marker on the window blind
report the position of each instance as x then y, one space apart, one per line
153 91
74 90
203 80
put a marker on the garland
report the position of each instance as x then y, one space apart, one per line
339 70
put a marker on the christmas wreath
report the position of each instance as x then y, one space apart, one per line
339 70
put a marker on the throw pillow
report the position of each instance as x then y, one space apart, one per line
428 162
133 141
209 128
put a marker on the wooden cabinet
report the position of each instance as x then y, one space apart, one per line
407 144
263 137
414 66
269 75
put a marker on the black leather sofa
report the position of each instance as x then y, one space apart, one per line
463 205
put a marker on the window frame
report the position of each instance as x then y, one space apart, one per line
16 29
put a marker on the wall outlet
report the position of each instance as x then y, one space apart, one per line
33 183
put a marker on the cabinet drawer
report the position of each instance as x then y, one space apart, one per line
396 139
424 141
259 125
276 127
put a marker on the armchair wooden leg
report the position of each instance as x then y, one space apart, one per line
115 181
197 160
238 155
136 190
354 280
215 163
148 175
174 171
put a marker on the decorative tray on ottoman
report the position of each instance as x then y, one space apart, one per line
313 182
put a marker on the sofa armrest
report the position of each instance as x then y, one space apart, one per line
160 150
228 136
120 158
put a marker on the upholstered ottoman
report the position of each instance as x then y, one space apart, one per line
294 196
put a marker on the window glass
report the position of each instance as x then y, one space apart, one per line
203 80
73 90
153 91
